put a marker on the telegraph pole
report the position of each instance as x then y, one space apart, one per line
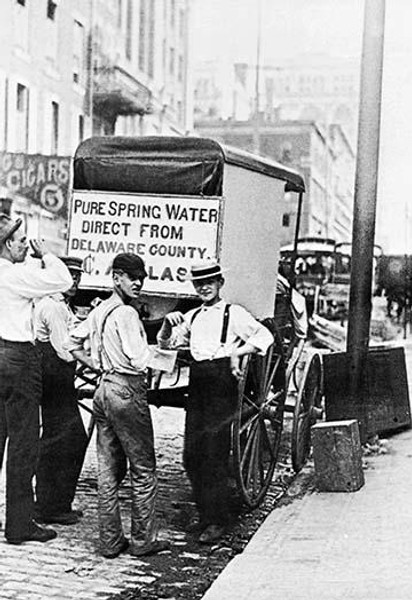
364 215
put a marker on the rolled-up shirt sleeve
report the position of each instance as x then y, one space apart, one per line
31 281
133 338
251 331
77 337
51 316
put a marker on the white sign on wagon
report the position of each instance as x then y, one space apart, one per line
170 233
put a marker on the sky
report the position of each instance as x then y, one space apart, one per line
289 27
227 29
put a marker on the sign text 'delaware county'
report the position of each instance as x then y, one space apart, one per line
170 233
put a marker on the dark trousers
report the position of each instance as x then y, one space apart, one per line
64 441
125 435
20 390
210 411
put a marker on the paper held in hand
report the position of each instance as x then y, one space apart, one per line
163 360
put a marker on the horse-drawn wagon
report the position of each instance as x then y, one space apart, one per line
175 202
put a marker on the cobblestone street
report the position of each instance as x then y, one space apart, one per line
69 567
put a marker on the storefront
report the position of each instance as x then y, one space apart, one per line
36 187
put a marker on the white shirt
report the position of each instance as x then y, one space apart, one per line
53 319
203 332
124 339
20 284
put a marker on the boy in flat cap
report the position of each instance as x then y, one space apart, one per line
218 334
20 376
64 440
124 427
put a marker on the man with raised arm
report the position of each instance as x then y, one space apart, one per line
20 374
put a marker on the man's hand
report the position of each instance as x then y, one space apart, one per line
170 321
174 318
39 248
235 365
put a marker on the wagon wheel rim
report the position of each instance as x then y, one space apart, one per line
86 383
258 423
307 399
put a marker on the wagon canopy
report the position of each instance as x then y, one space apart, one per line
166 165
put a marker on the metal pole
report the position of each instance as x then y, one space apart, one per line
366 178
90 66
256 131
296 238
406 275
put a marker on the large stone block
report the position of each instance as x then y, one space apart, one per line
337 454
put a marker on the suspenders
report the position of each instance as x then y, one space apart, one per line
225 325
225 322
101 348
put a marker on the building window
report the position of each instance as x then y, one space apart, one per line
179 109
55 128
286 220
151 40
164 54
22 118
51 10
172 61
119 14
129 25
180 69
181 23
51 32
172 13
21 24
78 51
142 35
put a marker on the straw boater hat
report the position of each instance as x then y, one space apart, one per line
206 270
8 226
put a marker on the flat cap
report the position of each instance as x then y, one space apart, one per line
73 263
129 263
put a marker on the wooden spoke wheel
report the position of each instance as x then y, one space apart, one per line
258 424
86 383
307 406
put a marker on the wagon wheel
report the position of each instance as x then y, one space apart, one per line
86 384
257 426
307 408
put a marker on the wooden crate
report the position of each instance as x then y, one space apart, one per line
384 405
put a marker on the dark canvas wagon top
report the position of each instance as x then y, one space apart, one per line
166 165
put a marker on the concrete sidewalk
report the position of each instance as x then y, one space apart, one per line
330 546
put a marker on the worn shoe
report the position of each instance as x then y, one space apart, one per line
153 548
69 518
122 548
37 534
211 534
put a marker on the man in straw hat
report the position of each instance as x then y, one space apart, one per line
64 440
219 334
124 427
20 375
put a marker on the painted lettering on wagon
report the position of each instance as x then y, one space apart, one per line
169 234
